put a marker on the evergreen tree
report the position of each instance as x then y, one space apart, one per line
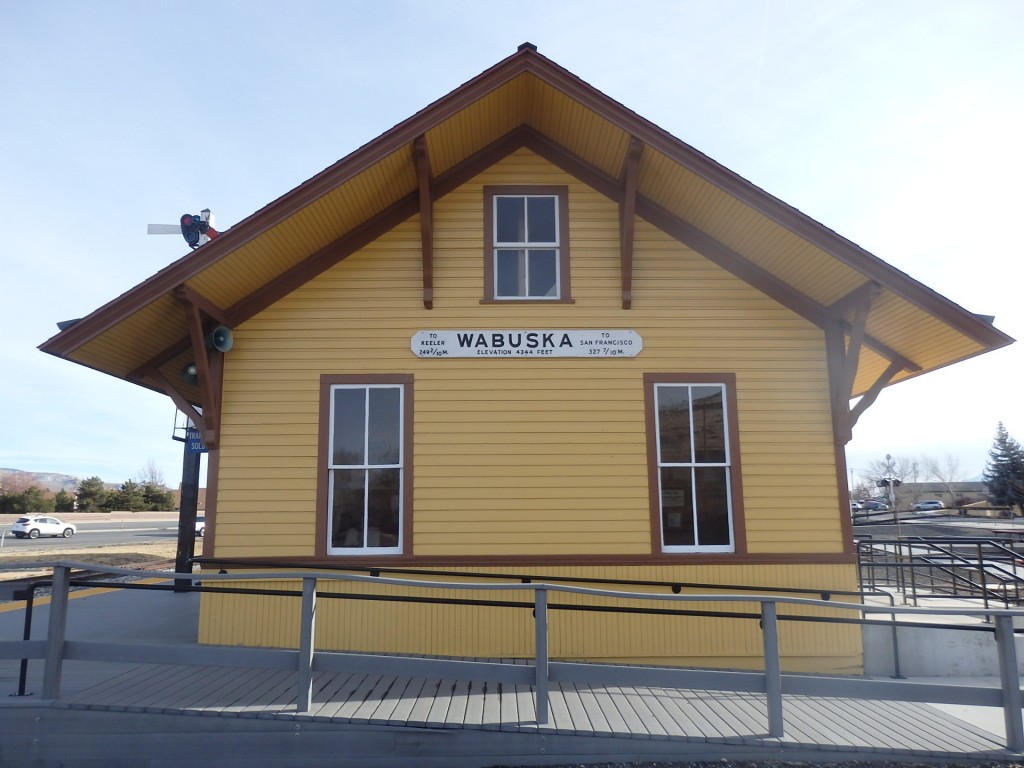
157 498
64 501
92 495
1004 472
31 501
128 497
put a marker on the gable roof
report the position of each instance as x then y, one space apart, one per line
528 100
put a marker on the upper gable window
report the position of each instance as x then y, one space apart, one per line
527 244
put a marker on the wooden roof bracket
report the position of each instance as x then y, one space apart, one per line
871 395
861 300
155 378
209 362
844 341
627 217
424 183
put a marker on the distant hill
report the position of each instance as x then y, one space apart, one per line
48 481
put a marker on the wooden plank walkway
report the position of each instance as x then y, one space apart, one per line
712 719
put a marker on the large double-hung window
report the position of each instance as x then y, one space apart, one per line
694 482
366 465
527 250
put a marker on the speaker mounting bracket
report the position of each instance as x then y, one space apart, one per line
208 360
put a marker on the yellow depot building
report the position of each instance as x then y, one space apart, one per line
528 332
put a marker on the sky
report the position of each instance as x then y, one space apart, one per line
897 124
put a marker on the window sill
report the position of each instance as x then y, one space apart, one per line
527 301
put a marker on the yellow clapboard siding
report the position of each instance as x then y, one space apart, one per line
520 458
507 632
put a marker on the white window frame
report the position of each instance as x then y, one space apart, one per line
693 466
527 246
366 467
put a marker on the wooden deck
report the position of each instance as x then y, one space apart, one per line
685 723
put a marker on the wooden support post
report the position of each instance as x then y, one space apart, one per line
426 200
627 218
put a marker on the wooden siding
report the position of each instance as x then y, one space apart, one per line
435 629
512 454
539 457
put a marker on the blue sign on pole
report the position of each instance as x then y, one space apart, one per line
194 441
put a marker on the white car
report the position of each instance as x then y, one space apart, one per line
42 525
201 526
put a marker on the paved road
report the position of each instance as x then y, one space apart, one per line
104 532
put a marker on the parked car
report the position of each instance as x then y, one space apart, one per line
928 505
42 525
201 526
875 505
856 506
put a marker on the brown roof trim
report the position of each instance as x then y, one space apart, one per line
324 259
526 59
781 213
364 234
349 243
288 204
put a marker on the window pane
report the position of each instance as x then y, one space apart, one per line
349 426
385 426
677 506
673 424
510 220
712 505
347 504
543 273
511 273
708 425
383 507
540 216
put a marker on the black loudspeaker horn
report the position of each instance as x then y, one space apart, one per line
190 374
221 339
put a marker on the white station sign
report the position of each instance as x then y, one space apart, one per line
541 343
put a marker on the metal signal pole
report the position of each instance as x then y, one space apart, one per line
192 451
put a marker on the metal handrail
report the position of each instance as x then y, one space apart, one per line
907 560
303 661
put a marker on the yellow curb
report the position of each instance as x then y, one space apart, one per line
17 605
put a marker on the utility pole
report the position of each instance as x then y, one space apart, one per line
891 483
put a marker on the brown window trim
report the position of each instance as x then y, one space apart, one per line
735 474
562 192
327 380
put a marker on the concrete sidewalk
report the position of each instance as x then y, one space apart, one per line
112 615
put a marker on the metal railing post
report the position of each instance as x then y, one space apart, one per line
982 580
1010 680
540 622
26 634
307 635
772 668
56 631
913 574
901 583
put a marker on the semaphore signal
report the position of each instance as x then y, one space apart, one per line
197 230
